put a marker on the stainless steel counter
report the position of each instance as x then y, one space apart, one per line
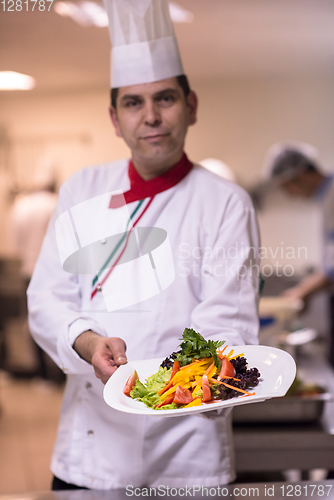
278 448
300 446
302 490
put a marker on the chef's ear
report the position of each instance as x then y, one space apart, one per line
192 103
114 119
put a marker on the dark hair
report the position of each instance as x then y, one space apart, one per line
291 161
181 79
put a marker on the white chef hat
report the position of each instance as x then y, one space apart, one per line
144 46
284 161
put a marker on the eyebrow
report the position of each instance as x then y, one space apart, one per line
166 91
130 96
157 94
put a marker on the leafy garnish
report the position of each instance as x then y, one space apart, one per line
194 346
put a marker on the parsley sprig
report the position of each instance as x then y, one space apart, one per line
195 346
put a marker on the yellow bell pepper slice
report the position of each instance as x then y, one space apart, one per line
198 386
195 402
236 355
167 393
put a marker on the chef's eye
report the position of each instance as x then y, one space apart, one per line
131 104
167 99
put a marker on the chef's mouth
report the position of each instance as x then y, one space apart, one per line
154 137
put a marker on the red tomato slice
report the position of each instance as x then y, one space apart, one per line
176 368
227 369
182 396
167 401
206 389
131 382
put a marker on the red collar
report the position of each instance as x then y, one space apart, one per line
141 189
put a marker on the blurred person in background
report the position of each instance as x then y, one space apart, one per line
28 221
30 216
294 167
220 168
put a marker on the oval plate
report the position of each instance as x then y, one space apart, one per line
277 368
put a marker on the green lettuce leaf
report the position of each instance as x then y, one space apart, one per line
148 392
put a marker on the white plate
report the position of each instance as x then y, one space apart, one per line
277 368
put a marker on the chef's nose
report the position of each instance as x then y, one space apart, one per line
152 114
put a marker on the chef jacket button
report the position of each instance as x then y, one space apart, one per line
103 240
88 385
90 432
99 288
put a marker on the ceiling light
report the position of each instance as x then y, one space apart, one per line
87 13
179 14
10 80
83 13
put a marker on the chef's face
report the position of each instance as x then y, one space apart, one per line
294 188
304 185
153 119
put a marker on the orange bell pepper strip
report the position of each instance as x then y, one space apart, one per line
164 389
220 353
236 379
176 368
167 393
167 401
232 387
210 368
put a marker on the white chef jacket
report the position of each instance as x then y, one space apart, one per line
325 199
211 227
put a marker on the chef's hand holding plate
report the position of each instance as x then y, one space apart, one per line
106 354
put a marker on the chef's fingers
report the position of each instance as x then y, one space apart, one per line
117 348
104 373
104 365
108 355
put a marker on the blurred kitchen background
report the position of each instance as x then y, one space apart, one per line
264 73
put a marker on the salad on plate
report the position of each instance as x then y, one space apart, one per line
200 372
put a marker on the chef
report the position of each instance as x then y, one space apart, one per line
28 221
137 250
294 167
